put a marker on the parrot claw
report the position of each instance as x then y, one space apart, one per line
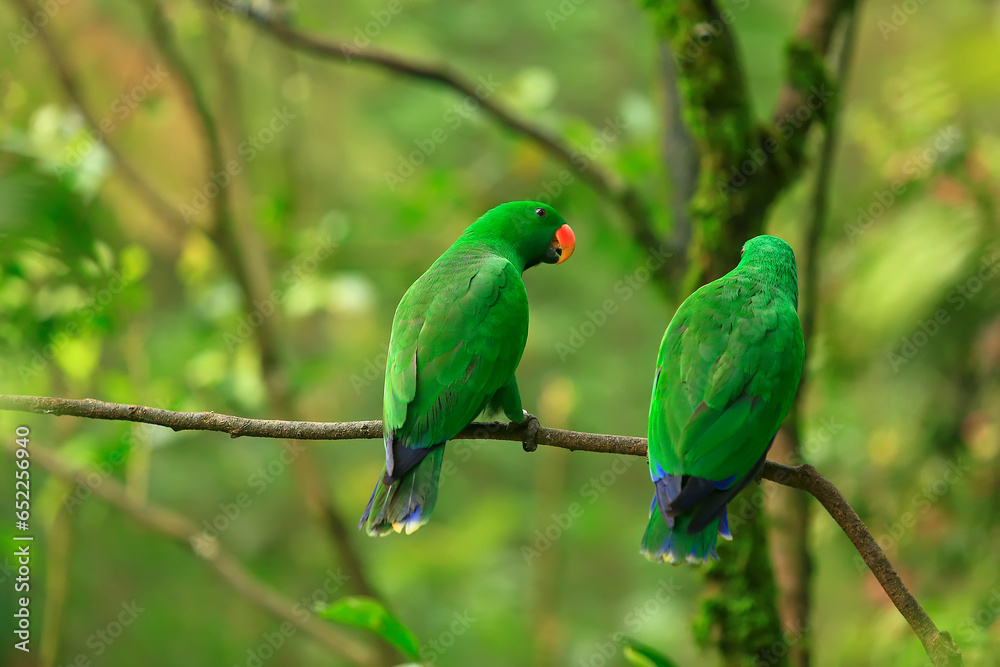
531 432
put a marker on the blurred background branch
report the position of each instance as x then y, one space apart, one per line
939 646
238 244
608 184
223 563
71 87
790 530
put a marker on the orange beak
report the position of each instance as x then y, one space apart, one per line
564 243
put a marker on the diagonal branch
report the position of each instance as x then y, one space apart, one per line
939 645
604 181
224 564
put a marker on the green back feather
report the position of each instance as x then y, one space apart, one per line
728 367
460 330
456 340
457 337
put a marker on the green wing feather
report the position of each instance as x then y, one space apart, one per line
460 335
726 375
457 338
727 372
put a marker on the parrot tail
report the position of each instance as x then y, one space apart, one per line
673 544
404 504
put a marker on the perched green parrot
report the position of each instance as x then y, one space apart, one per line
457 337
727 371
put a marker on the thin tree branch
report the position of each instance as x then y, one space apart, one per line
225 565
821 192
249 266
939 645
718 115
680 153
603 180
162 35
815 28
790 529
302 430
60 540
744 165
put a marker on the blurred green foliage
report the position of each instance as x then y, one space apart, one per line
100 297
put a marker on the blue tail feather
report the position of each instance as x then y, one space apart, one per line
405 502
687 516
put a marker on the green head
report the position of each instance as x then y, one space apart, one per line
525 232
773 262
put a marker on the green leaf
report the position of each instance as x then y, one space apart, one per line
643 656
368 614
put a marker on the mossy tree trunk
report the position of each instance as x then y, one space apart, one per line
743 166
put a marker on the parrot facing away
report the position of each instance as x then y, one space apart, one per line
727 372
457 337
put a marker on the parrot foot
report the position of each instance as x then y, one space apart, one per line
531 432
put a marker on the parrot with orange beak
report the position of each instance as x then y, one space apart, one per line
457 337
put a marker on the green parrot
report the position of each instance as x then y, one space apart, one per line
457 337
727 371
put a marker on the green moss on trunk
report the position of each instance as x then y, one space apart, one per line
739 613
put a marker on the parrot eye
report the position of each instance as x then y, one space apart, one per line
540 212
